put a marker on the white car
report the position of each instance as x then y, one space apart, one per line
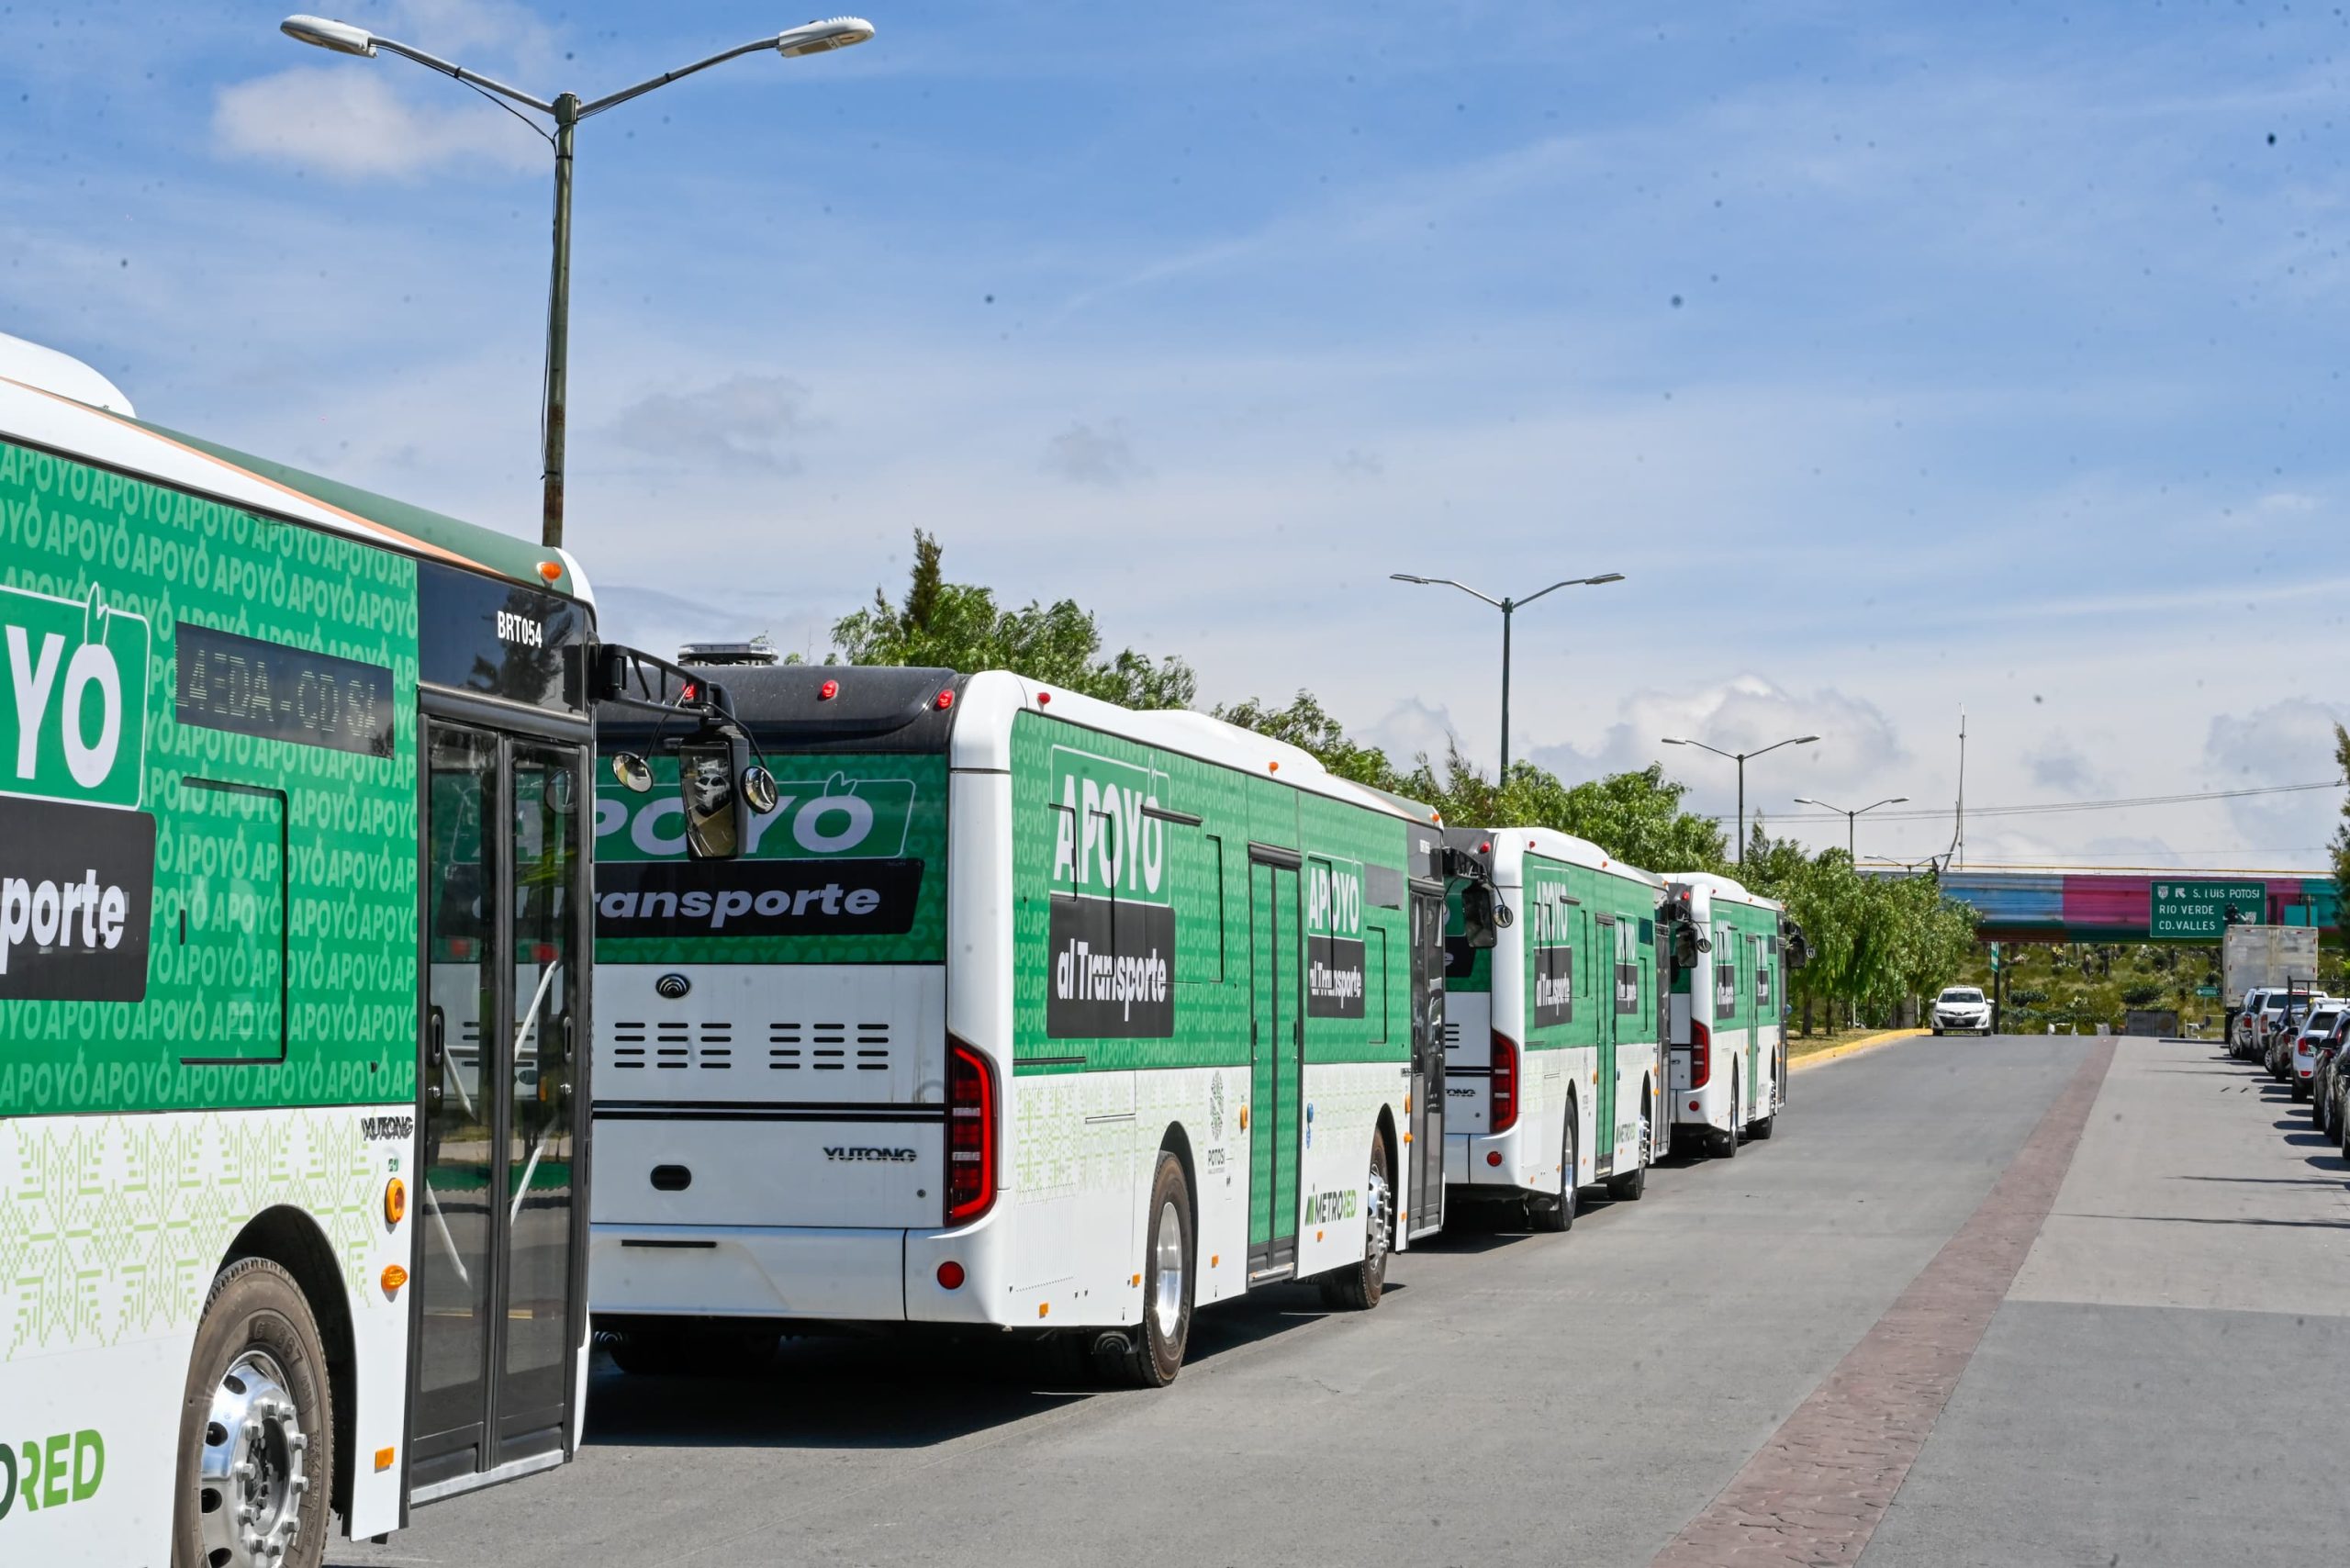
2323 1016
1960 1007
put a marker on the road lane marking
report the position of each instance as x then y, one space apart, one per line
1815 1491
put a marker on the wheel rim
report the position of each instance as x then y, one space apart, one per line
1374 1245
254 1477
1167 1262
1648 1140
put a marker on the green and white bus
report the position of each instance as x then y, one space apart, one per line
293 944
1727 986
1555 1073
1021 1011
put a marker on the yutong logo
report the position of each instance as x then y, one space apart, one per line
1111 924
77 856
829 860
386 1130
887 1156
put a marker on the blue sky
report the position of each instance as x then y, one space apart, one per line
1905 357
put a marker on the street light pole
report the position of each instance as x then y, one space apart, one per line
558 386
1851 853
1508 607
566 111
1739 758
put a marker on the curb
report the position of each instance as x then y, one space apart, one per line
1853 1047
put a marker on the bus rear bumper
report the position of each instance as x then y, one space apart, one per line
1470 1162
766 1272
793 1272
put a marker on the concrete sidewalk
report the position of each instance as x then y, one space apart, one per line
2160 1385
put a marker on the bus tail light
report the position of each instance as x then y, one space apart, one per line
1503 1115
971 1133
1701 1055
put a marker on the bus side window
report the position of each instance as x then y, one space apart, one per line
1375 980
1195 886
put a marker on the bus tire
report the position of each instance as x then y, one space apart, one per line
1167 1287
1358 1286
1552 1215
1629 1186
257 1395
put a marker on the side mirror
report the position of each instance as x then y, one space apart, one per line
1479 921
720 790
1684 948
635 774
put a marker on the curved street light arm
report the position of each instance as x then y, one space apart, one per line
471 78
1447 582
1574 582
1701 745
1791 740
610 100
1890 800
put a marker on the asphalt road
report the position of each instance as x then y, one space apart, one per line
2155 1384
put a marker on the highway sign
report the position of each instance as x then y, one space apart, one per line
2196 911
2207 991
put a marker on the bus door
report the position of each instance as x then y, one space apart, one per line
499 1295
1276 1050
1608 1021
1751 950
1423 1164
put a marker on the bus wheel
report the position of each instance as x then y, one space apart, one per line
1166 1328
1629 1186
1726 1143
1357 1287
256 1429
1549 1213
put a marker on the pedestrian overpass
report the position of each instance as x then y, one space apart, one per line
2056 904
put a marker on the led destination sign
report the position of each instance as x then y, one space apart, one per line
248 687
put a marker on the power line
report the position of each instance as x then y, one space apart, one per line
2064 806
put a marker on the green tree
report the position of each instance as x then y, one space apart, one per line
2341 845
959 626
1304 724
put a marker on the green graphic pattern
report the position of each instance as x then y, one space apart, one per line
1208 885
907 799
115 1224
346 891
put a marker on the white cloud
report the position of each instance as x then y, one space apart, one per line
2291 741
740 424
1857 745
350 121
1086 455
2061 764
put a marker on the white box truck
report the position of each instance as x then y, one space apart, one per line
2272 956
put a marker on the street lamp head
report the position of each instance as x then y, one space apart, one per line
340 36
1898 800
816 37
1404 577
1805 739
1604 578
1673 740
1807 801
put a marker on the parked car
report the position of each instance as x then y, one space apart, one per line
2280 1020
2315 1025
2326 1085
2244 1040
1960 1007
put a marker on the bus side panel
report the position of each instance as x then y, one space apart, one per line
121 1222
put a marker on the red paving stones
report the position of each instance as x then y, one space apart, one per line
1814 1493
